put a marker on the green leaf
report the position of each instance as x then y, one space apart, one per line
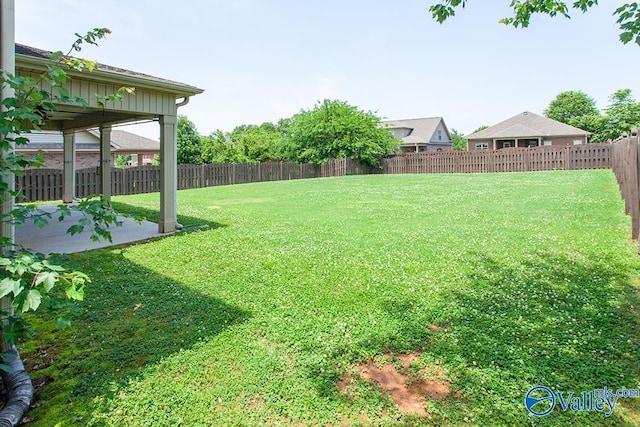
62 322
52 267
32 300
55 55
75 229
76 293
48 280
9 285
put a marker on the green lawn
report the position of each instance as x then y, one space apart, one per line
253 321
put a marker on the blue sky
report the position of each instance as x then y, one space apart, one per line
262 60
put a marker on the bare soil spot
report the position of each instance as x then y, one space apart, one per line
407 359
437 328
408 392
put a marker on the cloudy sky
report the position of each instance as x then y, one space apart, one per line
262 60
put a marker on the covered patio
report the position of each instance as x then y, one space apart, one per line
154 99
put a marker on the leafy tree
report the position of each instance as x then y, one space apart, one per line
594 123
259 142
188 141
483 127
622 115
578 109
219 148
459 142
628 14
121 160
334 129
571 105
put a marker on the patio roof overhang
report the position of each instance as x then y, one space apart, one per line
154 99
153 96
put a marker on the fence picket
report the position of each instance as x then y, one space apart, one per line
46 184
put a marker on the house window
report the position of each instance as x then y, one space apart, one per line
546 142
533 143
439 134
506 145
482 146
577 141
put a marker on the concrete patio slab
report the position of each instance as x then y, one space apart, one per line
53 238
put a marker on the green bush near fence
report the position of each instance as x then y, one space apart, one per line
260 319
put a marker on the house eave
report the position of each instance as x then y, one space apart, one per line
484 138
113 77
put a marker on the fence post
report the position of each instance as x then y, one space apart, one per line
635 219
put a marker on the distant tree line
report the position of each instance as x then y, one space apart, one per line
332 129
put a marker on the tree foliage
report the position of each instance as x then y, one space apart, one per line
246 143
220 148
571 105
122 160
479 128
627 15
577 109
458 141
622 115
188 142
259 143
333 129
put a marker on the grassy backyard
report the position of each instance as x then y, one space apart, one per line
493 284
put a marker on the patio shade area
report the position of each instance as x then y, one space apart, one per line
53 238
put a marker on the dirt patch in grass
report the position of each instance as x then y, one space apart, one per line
408 390
437 328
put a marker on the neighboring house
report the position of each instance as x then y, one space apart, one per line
526 130
87 148
417 135
142 150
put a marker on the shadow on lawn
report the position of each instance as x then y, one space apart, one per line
569 324
131 318
153 215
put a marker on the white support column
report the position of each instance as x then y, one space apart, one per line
69 167
105 161
168 175
8 64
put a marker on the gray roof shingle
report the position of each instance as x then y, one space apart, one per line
422 130
525 125
43 54
123 141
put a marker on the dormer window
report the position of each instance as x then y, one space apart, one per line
401 132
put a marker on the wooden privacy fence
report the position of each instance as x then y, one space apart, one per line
625 161
590 156
46 184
